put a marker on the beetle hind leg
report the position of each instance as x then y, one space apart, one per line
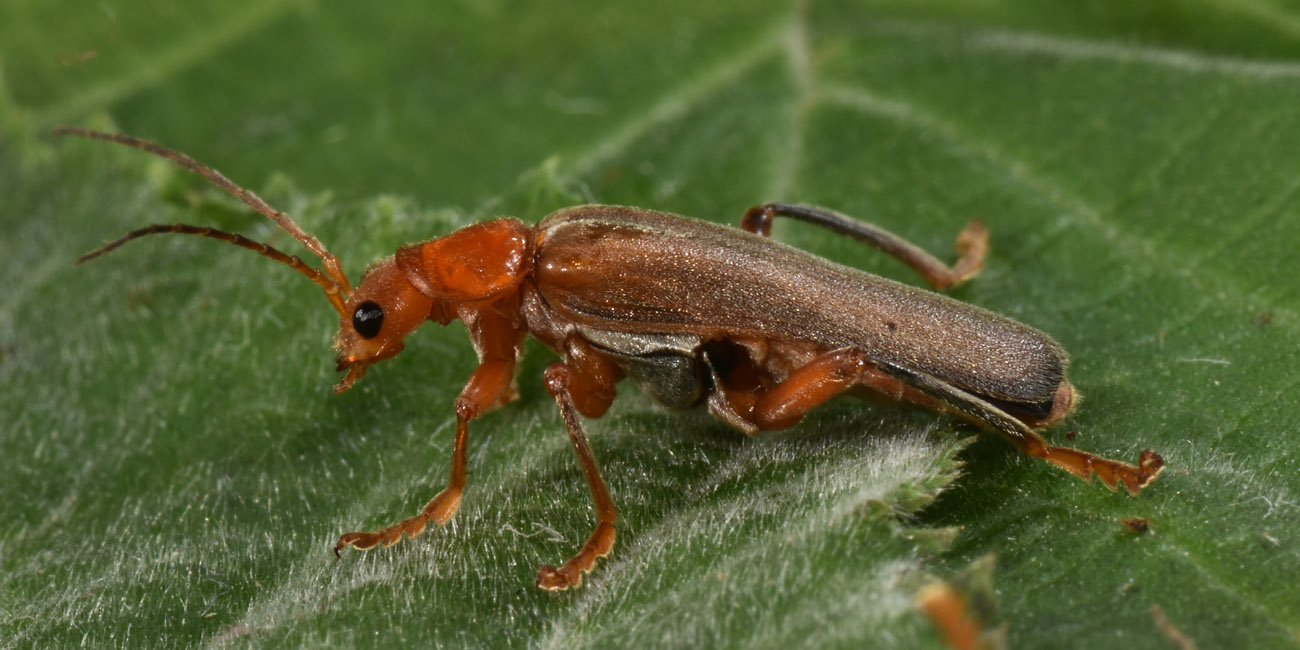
972 241
838 371
1075 461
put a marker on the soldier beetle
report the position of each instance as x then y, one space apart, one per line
695 313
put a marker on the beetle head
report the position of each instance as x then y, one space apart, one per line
375 317
378 316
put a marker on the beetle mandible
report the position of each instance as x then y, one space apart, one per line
695 313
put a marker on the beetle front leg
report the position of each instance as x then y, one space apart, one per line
490 381
591 382
972 241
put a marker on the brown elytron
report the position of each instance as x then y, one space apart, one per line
697 314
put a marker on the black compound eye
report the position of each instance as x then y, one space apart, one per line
367 319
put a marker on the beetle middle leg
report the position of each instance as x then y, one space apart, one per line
585 384
742 399
972 241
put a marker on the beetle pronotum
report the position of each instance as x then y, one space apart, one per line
696 313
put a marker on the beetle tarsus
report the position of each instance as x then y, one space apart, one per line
972 248
1111 472
439 510
570 574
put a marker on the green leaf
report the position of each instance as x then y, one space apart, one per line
176 470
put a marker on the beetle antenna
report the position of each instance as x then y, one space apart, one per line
331 288
336 283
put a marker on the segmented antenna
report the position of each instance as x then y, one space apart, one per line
333 281
237 239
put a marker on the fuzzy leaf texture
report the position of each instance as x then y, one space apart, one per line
175 469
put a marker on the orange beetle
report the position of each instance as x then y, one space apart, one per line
697 314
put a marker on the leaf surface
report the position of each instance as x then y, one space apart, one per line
175 468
